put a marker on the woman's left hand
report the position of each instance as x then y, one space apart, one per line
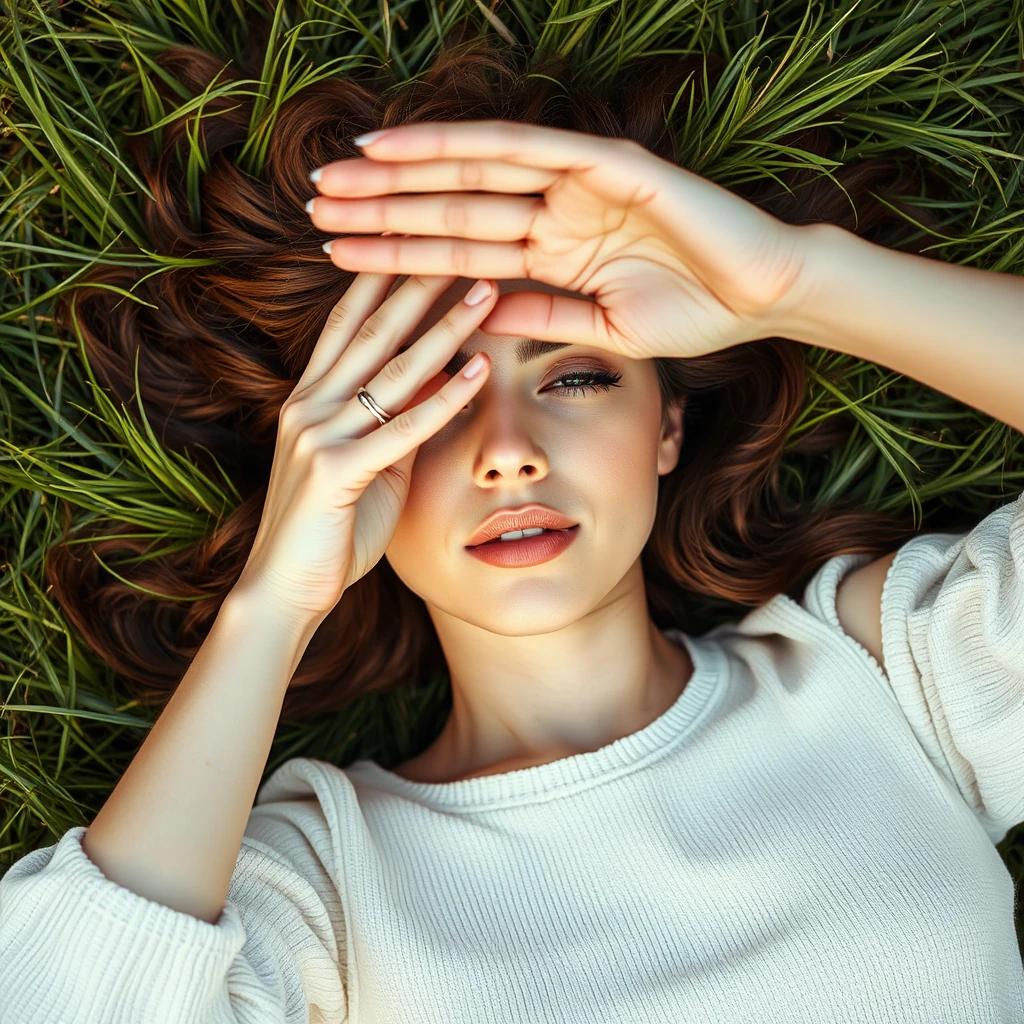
677 265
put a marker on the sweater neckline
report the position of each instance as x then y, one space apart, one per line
575 771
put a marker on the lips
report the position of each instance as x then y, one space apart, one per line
525 517
498 540
526 552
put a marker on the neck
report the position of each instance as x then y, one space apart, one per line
524 700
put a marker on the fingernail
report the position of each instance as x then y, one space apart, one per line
309 205
474 366
327 246
477 293
314 176
368 137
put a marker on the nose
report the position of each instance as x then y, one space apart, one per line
501 470
508 453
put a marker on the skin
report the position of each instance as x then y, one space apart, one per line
560 658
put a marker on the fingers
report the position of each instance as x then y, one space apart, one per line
373 339
400 386
490 218
386 445
362 297
465 257
393 382
358 177
514 142
402 379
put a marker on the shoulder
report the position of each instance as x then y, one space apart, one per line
859 604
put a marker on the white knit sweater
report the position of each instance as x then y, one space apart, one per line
799 837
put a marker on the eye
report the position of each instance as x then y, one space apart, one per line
578 381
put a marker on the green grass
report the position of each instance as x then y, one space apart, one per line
939 83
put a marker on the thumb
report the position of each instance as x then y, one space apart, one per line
549 318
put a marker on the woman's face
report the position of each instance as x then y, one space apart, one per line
593 453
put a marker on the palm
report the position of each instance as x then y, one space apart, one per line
376 514
598 236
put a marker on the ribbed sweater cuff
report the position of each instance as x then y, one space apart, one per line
86 923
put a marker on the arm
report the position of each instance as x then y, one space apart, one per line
172 828
956 329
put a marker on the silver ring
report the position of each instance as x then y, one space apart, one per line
366 398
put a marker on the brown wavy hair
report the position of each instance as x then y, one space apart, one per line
220 347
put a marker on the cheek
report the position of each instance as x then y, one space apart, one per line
628 462
625 437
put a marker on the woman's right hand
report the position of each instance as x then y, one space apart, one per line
339 478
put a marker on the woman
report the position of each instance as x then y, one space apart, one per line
790 817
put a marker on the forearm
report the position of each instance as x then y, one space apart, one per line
172 828
957 329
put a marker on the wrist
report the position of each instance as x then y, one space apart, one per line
248 603
807 312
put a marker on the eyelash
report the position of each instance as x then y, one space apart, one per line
596 379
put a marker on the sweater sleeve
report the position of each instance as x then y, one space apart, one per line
77 948
952 619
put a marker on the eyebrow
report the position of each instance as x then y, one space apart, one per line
526 351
